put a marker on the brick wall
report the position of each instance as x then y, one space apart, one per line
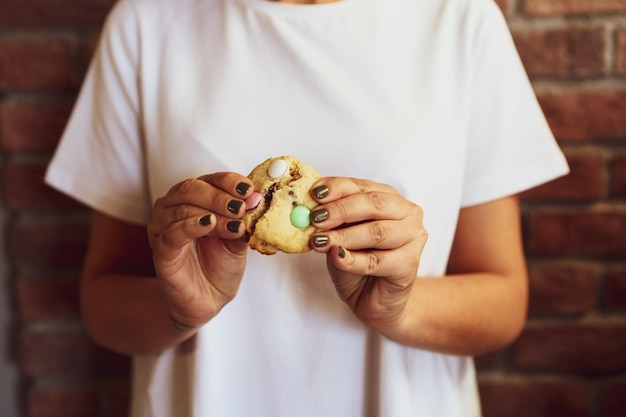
571 358
44 51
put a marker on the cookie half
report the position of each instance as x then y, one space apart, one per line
280 221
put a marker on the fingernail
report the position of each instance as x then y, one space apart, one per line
205 220
320 241
234 206
242 188
342 252
319 216
233 226
321 191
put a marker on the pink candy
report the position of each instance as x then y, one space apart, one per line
253 201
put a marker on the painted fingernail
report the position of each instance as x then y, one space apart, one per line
319 216
234 206
233 226
342 252
205 220
321 191
242 188
320 241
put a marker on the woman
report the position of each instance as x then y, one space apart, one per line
426 127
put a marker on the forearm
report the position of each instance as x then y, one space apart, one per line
128 314
465 314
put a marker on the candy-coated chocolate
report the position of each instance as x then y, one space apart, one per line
277 168
300 217
253 201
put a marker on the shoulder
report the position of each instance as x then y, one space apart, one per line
149 22
468 11
470 6
461 21
157 12
158 5
472 23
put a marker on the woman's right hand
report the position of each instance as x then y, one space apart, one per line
198 251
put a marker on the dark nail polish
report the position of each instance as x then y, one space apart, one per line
234 206
205 220
321 191
242 188
320 241
233 226
319 216
342 252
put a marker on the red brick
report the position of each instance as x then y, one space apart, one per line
62 351
578 233
621 52
48 244
37 65
614 399
572 347
24 188
568 52
32 126
53 13
618 177
567 7
616 289
64 402
39 299
584 115
535 397
563 289
585 182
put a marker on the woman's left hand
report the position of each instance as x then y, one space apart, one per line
373 239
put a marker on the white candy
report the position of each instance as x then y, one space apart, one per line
277 168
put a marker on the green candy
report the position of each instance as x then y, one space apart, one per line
300 217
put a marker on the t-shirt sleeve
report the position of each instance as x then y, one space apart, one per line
99 160
510 145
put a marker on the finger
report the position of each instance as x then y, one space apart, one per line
182 223
199 193
382 234
226 228
333 188
356 208
235 184
391 264
176 234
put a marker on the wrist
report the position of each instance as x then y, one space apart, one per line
399 324
180 325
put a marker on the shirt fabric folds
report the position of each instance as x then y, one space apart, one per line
427 96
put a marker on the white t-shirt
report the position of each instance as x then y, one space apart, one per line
428 96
